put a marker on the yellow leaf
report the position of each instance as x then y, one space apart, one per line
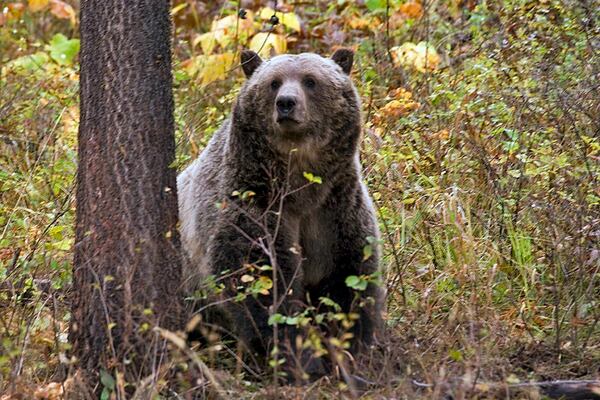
401 94
227 22
289 19
178 8
216 67
412 9
266 13
442 134
266 285
62 10
427 59
405 54
359 23
37 5
210 68
423 57
266 43
12 11
398 108
207 42
224 30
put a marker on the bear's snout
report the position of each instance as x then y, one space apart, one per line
285 106
289 106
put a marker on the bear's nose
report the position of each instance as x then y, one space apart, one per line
285 104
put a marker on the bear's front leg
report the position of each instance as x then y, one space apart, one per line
254 252
355 228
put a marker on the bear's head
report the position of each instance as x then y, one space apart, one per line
300 101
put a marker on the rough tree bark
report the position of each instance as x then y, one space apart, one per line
126 263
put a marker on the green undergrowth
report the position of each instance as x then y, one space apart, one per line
483 165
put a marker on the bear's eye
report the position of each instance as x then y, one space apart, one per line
275 83
310 82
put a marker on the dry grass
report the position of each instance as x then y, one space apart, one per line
486 183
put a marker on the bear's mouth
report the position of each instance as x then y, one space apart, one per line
290 129
287 120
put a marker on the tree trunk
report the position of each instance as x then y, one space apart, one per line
126 264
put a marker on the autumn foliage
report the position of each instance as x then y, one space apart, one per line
480 147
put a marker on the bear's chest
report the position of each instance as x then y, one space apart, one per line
307 188
317 237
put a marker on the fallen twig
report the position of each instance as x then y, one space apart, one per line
565 390
181 345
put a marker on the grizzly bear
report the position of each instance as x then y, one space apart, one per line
277 197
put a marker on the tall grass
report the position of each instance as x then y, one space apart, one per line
487 193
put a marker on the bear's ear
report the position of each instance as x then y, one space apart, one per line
344 58
250 61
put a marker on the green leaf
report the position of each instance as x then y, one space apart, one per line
375 5
63 245
273 363
30 63
352 280
367 252
330 303
356 282
276 319
456 355
312 178
240 297
107 380
63 50
56 232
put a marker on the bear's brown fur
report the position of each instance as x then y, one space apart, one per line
296 114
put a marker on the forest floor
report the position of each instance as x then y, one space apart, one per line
481 150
